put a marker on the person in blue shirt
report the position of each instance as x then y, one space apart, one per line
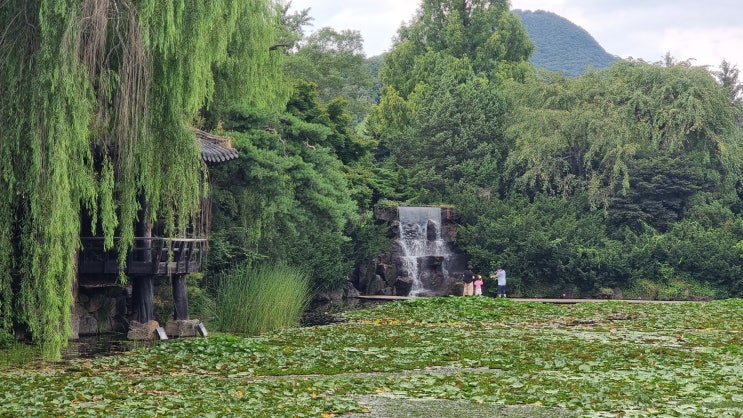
500 275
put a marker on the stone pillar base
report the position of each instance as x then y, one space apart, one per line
139 331
183 328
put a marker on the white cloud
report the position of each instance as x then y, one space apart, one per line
377 21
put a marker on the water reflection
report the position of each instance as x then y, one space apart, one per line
326 313
106 344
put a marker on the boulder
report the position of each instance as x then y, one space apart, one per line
457 289
403 286
139 331
87 325
328 297
182 328
376 286
95 302
385 214
350 292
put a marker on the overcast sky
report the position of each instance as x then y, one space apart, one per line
706 31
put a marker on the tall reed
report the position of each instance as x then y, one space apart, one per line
253 300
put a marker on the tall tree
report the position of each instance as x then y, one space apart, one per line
287 198
442 108
335 62
98 96
484 31
728 76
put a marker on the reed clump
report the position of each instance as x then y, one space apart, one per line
253 300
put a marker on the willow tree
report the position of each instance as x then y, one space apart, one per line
586 134
97 99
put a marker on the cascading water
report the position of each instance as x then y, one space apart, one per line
420 240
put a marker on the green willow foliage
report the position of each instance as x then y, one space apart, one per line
573 135
98 96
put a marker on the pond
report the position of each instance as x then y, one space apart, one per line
325 313
106 344
113 343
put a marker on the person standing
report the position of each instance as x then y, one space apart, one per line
468 278
500 275
478 285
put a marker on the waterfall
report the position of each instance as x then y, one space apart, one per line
419 239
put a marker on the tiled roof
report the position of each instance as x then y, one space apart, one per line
214 148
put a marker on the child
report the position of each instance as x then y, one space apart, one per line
478 285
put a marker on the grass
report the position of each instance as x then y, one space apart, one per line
16 354
251 301
446 357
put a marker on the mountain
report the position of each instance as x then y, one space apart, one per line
561 45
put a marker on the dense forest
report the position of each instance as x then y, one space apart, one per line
562 46
625 178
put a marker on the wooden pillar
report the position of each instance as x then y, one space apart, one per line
142 299
180 297
143 287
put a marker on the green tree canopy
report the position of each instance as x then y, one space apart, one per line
484 31
335 62
441 114
288 198
584 134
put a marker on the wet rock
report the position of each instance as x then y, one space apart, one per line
376 286
88 325
350 291
403 286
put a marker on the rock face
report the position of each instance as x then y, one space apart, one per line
423 261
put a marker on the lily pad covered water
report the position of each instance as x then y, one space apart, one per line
590 359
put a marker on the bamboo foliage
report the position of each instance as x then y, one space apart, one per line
97 99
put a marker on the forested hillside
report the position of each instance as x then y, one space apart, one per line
562 46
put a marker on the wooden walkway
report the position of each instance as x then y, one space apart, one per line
542 300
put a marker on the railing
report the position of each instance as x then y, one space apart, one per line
148 256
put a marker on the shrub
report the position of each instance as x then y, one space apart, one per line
7 339
674 289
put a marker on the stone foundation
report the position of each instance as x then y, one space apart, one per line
146 331
99 310
106 309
